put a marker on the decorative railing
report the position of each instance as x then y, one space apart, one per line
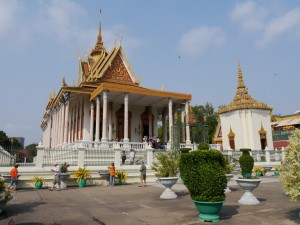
6 159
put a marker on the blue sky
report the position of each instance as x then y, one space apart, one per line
186 46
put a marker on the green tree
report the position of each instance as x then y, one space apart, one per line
206 122
4 141
289 172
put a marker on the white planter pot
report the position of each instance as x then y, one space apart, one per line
228 177
168 182
248 185
63 179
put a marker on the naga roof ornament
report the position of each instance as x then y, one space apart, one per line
243 99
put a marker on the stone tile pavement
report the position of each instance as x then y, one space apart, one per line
133 205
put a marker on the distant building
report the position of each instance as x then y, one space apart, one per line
245 122
283 127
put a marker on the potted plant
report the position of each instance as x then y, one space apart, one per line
81 174
246 162
121 176
248 183
204 177
276 170
258 170
229 168
166 169
64 175
5 194
38 181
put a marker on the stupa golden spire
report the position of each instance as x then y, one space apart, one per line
243 99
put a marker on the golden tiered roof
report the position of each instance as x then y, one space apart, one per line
243 99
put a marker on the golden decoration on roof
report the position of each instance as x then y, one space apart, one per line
99 46
64 84
243 99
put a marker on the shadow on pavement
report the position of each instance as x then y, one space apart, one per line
228 211
294 215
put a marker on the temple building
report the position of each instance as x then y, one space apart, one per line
108 104
245 122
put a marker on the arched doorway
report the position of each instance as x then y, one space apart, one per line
145 123
231 136
263 138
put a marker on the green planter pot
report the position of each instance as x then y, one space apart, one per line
276 173
258 174
247 175
208 211
38 185
121 181
82 183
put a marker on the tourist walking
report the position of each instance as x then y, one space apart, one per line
14 177
143 174
56 179
112 174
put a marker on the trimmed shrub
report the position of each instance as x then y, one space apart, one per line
185 150
204 175
246 161
289 171
203 146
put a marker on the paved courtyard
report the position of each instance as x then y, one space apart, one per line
133 205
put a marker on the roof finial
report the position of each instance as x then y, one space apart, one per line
120 43
64 84
99 47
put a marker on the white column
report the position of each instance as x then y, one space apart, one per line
63 123
110 121
75 123
97 138
182 122
150 123
126 139
66 122
188 136
104 120
55 130
170 120
165 130
79 121
92 122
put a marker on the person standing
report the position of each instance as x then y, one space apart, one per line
14 177
123 157
143 174
56 179
131 156
112 174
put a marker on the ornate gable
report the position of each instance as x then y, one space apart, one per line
117 72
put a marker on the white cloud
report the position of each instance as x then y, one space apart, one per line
249 15
288 24
198 40
58 19
8 15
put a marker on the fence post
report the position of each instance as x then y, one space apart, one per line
117 155
40 155
81 152
149 156
268 156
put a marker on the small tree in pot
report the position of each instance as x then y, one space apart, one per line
246 162
204 176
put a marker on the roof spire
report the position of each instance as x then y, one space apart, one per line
99 47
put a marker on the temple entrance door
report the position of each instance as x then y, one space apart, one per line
231 143
120 123
120 127
263 141
145 123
